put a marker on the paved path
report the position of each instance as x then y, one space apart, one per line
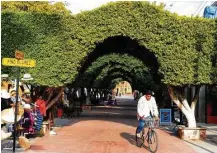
89 135
104 130
209 145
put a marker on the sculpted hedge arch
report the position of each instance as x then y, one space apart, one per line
140 80
183 46
106 62
128 65
60 43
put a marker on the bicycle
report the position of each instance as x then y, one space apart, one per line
151 136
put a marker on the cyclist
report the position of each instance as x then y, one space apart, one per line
146 108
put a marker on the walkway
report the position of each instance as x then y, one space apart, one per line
104 130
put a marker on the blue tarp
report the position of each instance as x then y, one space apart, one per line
210 12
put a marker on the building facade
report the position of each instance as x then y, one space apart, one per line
123 88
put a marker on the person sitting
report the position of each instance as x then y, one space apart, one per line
146 109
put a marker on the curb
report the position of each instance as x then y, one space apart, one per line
214 139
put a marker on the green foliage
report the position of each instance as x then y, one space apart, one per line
214 59
183 46
101 72
139 81
34 6
115 82
40 37
61 42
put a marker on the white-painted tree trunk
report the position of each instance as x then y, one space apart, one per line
189 114
191 120
185 108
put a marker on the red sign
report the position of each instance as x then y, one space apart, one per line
19 55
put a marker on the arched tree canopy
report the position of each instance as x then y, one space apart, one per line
121 45
61 43
107 64
139 81
116 81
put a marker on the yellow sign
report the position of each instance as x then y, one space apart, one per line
16 62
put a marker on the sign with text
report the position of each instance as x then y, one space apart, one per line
165 116
16 62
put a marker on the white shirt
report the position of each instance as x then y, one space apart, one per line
144 107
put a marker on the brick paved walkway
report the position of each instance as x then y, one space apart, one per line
97 136
104 130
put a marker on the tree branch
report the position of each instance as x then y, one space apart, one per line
171 93
181 107
186 105
195 99
183 100
53 101
197 90
176 101
49 97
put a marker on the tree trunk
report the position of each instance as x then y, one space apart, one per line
50 95
54 100
191 120
183 105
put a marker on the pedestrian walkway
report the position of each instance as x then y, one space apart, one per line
211 131
104 130
110 135
111 130
208 145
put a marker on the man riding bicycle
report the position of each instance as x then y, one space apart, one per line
146 108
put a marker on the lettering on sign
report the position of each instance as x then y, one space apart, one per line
16 62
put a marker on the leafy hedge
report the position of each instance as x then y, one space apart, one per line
183 46
106 65
61 42
139 81
42 37
34 6
214 59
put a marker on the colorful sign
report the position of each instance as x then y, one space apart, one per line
165 116
16 62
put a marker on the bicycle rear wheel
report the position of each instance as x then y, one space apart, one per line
153 141
139 141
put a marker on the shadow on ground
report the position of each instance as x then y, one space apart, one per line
131 139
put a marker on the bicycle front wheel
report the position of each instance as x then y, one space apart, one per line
153 141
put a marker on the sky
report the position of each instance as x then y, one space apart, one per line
191 8
188 8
